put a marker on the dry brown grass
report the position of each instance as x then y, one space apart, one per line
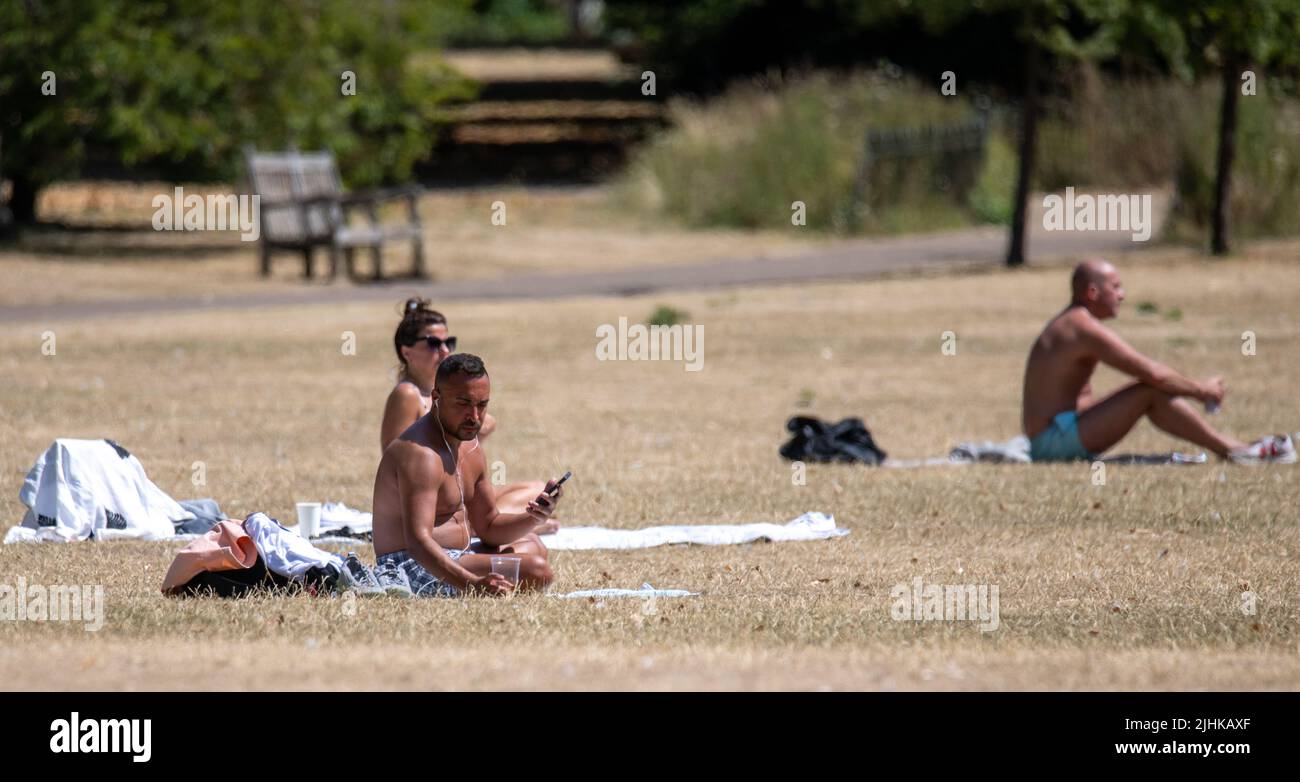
1134 584
547 230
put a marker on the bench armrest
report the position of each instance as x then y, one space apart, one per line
285 203
380 195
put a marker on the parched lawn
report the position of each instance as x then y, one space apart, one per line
1136 583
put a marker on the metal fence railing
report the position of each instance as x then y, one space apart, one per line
892 159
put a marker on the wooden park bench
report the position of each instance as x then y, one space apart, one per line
303 207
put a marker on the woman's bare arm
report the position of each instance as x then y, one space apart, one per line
402 409
489 426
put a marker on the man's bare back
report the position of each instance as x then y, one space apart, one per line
1060 414
1059 371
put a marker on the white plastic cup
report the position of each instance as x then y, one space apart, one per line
507 567
308 519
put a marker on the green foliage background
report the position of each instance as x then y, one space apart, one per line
186 84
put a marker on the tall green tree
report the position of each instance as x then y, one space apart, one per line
1226 38
1187 38
1051 32
186 84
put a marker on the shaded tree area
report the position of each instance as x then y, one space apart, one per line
176 88
700 47
1014 49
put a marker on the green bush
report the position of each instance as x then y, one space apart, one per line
500 22
991 198
666 316
185 85
1265 198
1113 133
743 159
1117 133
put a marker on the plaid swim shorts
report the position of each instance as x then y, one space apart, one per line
423 583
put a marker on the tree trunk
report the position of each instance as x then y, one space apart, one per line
22 203
1028 139
1219 244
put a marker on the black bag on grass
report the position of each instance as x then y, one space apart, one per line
814 440
239 582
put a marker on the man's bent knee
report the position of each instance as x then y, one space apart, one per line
1153 397
535 572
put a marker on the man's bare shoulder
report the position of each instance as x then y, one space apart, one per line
1090 329
407 454
1075 324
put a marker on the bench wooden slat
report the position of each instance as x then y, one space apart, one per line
304 206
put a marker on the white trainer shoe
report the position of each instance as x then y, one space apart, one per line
1273 449
392 579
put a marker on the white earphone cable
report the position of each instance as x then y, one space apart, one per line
460 484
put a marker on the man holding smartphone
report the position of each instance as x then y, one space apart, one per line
432 495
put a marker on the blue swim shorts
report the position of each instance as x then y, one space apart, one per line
1059 442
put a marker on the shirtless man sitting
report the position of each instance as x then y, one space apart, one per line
1063 420
432 494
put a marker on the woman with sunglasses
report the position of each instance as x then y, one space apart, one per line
422 342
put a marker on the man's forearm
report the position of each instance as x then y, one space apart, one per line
1175 384
434 558
508 527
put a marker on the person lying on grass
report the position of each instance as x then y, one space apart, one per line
421 342
432 494
1065 422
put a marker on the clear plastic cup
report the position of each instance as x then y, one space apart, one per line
308 519
507 567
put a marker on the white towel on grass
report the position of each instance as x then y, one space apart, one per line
336 516
80 489
1016 451
809 526
645 591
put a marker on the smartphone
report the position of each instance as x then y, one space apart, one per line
567 474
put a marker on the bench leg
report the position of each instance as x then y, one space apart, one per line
417 252
335 254
306 263
377 252
266 259
350 258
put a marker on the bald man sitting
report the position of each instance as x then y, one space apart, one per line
1062 419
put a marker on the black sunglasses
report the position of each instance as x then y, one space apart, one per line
434 343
